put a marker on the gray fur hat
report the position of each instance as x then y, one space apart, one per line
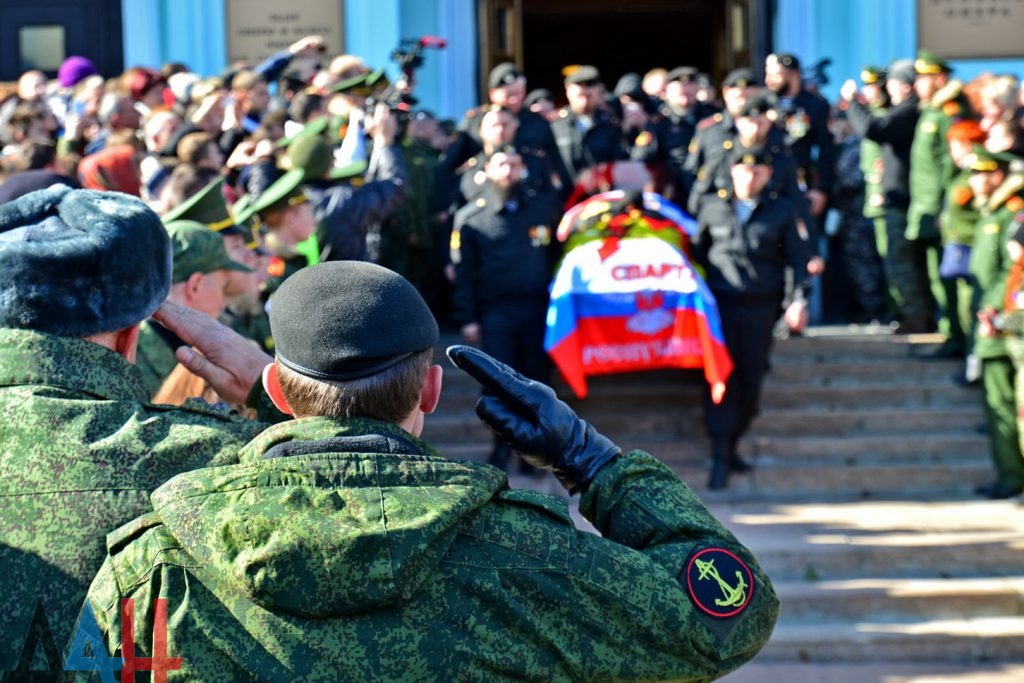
79 262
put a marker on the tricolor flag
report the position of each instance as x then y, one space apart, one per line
639 307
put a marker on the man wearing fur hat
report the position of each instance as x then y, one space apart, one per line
81 449
344 547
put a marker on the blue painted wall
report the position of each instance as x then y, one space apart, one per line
194 32
854 33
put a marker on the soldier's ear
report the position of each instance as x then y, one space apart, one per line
430 391
272 385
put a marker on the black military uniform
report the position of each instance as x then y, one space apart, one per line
745 260
587 141
674 129
533 135
505 254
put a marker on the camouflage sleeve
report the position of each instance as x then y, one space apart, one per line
727 604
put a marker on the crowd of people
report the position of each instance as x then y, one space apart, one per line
301 159
329 224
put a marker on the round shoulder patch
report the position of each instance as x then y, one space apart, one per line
719 583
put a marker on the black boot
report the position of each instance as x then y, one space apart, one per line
719 478
736 463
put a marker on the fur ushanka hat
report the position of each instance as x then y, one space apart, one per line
80 262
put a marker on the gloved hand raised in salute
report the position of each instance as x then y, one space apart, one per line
532 420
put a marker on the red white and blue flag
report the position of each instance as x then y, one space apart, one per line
637 306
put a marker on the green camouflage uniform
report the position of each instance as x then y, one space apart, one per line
80 452
931 173
154 358
352 551
990 265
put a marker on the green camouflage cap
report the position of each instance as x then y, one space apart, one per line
197 249
208 207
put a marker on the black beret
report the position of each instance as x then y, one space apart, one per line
504 74
79 262
582 75
739 78
684 74
345 320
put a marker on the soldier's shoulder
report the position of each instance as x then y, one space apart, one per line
706 124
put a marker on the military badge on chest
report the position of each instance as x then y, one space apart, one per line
798 123
540 236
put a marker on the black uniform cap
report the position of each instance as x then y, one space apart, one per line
685 74
538 95
739 78
345 320
582 75
503 74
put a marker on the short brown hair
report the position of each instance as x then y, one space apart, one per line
389 395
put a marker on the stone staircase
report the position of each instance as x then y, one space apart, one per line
860 507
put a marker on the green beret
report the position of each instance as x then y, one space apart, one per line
197 249
80 262
345 320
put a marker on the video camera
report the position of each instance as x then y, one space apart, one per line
409 57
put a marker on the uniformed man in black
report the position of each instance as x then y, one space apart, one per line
504 250
507 89
675 127
708 142
498 128
747 240
586 131
803 116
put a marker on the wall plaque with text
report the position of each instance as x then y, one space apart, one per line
971 29
258 28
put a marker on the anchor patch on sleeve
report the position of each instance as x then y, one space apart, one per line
719 583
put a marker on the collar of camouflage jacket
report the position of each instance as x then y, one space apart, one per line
30 358
326 531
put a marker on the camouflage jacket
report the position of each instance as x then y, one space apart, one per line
155 355
80 452
352 551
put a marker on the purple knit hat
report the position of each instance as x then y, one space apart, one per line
74 69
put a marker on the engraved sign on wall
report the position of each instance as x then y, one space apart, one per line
971 29
258 28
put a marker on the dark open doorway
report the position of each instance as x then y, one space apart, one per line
39 35
618 37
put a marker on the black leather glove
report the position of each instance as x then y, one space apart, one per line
532 420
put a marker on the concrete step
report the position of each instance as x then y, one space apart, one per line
983 639
764 671
831 373
888 539
894 600
963 419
